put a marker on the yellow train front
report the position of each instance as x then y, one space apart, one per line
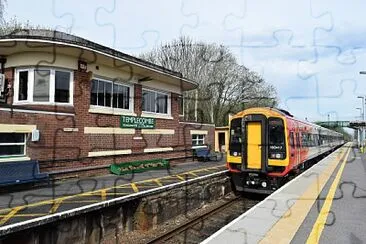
268 144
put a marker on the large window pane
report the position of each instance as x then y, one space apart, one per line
148 101
94 93
11 150
126 97
62 86
23 85
108 94
116 92
41 90
101 93
155 102
11 137
162 103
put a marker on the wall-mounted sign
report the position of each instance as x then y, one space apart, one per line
82 66
137 122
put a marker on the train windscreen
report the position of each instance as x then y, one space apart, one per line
276 136
236 139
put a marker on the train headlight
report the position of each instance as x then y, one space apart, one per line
264 184
235 153
278 155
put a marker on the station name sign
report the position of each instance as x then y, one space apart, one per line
137 122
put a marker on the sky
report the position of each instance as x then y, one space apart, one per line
311 51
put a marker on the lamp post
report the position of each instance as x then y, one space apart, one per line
363 119
359 129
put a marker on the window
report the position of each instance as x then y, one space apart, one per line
23 85
110 94
235 144
62 86
154 102
292 139
276 132
12 144
181 105
41 90
276 136
43 85
198 140
298 140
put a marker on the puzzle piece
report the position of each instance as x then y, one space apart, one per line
118 19
281 19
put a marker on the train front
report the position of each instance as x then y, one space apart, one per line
257 156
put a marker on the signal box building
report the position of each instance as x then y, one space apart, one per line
77 107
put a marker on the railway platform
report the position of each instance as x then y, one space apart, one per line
325 204
43 202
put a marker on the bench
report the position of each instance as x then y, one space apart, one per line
204 154
19 172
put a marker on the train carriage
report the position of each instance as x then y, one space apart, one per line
267 145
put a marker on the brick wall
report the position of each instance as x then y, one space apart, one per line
62 150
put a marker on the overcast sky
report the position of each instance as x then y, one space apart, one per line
311 51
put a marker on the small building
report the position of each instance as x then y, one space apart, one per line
77 106
221 138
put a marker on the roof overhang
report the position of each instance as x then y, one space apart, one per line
91 52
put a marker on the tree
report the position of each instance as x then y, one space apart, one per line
224 85
12 25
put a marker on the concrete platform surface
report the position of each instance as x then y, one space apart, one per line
325 204
19 206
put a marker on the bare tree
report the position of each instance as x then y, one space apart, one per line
224 85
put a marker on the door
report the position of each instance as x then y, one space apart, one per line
254 145
222 142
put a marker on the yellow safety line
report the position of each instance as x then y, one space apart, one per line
322 217
192 173
180 177
103 194
134 187
286 227
56 205
10 215
158 182
96 192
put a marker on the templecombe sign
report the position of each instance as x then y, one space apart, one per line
137 122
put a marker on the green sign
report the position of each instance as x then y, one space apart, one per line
137 122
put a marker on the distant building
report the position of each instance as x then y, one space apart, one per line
77 106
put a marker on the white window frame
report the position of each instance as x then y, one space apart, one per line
197 140
111 108
15 144
52 90
155 113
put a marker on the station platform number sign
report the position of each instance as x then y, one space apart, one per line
137 122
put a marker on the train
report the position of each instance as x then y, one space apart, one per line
268 145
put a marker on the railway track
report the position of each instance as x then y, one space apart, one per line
203 226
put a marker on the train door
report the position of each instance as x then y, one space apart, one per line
255 151
254 145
